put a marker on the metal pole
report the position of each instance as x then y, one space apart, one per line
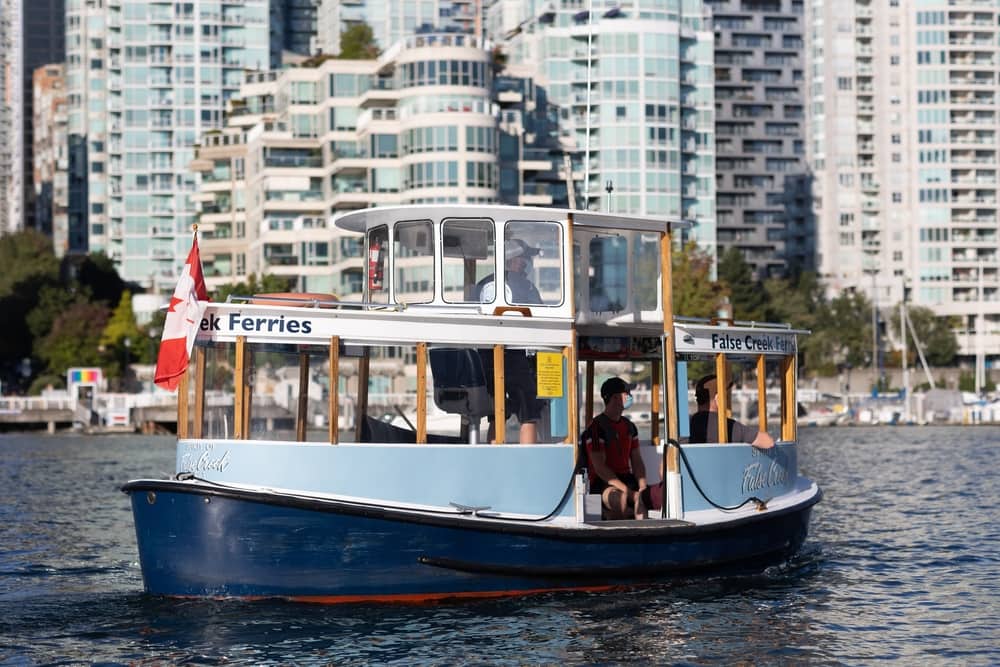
980 352
906 361
875 364
586 154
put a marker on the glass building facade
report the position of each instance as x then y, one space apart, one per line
903 113
635 88
144 81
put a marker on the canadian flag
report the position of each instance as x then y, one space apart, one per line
187 305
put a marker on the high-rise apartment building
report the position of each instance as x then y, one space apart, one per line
11 118
419 125
31 35
634 86
51 155
144 81
763 197
394 20
903 115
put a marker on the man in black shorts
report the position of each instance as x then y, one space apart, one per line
705 422
613 459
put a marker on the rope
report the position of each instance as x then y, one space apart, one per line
694 480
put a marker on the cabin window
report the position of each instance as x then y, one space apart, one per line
378 260
217 418
646 272
539 243
413 262
608 274
468 251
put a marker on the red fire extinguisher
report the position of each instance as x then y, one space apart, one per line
375 272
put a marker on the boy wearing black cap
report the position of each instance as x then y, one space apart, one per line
612 444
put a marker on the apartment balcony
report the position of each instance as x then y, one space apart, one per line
383 92
294 196
292 161
970 40
962 81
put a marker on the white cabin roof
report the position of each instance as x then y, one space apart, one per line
359 221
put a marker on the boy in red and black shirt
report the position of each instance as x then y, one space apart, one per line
616 468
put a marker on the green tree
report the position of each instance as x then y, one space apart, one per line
265 285
53 300
747 295
29 265
358 43
936 335
75 338
801 302
97 274
695 293
842 334
119 336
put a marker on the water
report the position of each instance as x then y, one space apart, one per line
902 564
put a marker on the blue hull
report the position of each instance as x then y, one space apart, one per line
206 541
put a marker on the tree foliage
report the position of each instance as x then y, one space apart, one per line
358 43
29 266
75 338
121 340
264 285
746 295
695 293
936 335
96 273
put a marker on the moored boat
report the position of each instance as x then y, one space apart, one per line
342 505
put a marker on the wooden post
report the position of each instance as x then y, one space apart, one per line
182 405
572 395
303 412
654 400
761 393
499 397
239 381
334 393
421 393
364 364
669 349
247 392
722 395
197 430
589 400
789 403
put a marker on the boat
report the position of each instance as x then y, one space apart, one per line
317 497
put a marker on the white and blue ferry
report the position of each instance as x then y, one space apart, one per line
291 481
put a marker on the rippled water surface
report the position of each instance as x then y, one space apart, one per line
902 564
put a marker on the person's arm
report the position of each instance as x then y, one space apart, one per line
638 468
763 440
601 468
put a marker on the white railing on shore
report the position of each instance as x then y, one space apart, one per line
26 403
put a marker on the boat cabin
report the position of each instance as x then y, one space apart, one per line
470 317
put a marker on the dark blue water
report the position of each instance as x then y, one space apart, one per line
903 564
